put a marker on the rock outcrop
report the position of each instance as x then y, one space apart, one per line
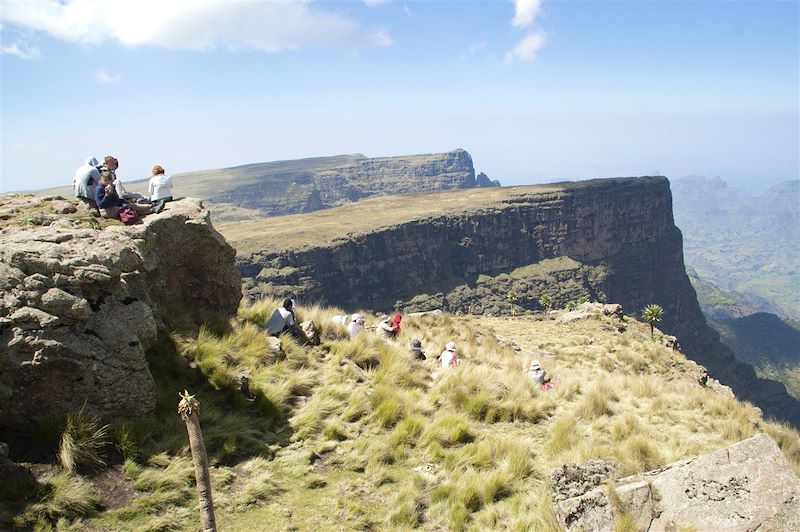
606 240
306 185
747 486
81 306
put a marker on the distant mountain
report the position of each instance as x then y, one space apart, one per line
743 243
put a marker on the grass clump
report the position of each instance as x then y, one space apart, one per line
61 496
82 442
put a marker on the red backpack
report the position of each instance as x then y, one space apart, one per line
128 216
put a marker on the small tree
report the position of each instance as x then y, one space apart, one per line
545 302
571 305
652 314
512 298
188 408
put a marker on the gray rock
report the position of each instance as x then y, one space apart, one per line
81 306
747 486
572 480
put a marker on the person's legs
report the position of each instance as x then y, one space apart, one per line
111 213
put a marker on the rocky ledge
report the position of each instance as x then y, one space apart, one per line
747 486
81 305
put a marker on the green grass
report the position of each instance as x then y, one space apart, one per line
400 444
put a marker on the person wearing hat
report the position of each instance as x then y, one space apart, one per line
385 327
416 350
448 357
356 325
536 374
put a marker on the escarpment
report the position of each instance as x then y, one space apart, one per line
306 185
494 250
81 306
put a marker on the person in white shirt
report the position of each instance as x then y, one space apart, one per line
160 187
356 325
448 357
282 321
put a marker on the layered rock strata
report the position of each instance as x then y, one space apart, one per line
611 240
307 185
81 306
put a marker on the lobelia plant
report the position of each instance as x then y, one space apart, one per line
652 314
188 408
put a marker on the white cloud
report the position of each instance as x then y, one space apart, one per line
269 26
409 14
524 12
477 47
526 48
375 3
21 50
101 76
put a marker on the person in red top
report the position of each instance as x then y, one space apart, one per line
396 324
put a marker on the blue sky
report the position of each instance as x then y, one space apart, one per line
594 89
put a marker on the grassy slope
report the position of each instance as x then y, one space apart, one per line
403 444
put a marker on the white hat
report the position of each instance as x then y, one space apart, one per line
451 346
535 364
384 317
358 317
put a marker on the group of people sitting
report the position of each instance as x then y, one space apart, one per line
97 185
283 321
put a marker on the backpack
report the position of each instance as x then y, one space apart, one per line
128 216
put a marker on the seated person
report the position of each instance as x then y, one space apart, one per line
448 357
416 350
160 186
356 325
86 178
282 321
109 203
111 164
537 375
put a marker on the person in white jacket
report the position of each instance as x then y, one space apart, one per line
448 357
87 177
160 187
356 325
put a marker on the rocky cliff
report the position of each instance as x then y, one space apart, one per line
81 305
306 185
612 240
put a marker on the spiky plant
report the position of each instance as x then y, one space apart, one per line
652 314
188 407
82 442
545 301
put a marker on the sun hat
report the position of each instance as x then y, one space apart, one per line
535 364
451 346
384 317
358 317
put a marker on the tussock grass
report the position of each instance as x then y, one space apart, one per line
82 443
400 444
61 496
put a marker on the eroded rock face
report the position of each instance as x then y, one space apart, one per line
747 486
608 240
307 185
81 306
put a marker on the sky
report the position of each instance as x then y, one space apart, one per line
535 90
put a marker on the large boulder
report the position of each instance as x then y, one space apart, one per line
747 486
81 306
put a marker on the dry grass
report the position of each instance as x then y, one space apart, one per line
400 444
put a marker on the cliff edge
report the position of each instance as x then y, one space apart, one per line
81 305
465 251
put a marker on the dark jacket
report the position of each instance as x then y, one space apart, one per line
417 353
106 201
